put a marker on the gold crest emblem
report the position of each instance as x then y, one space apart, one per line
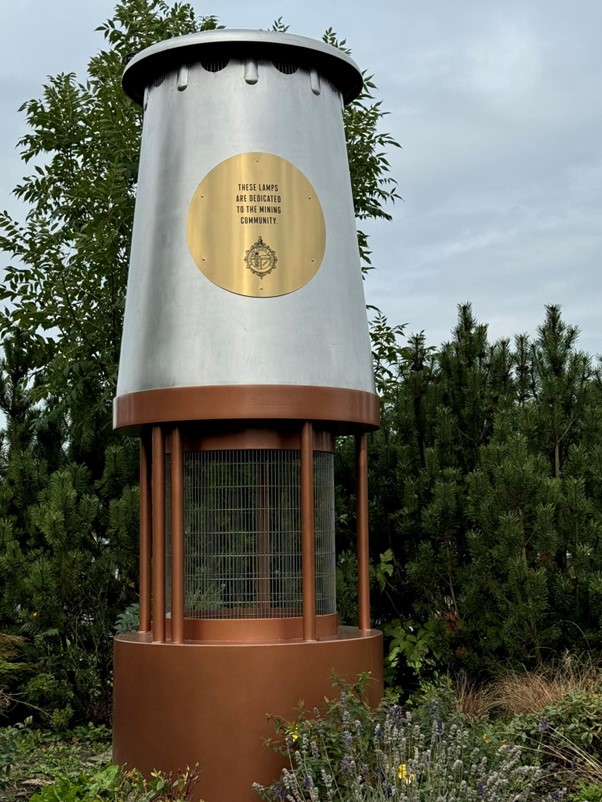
260 258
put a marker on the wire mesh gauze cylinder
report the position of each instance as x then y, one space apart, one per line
242 534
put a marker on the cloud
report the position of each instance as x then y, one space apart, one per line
505 65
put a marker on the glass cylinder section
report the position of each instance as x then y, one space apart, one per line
242 533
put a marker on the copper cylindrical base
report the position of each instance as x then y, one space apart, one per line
179 704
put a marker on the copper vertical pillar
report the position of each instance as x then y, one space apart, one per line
308 550
158 570
145 535
363 556
177 538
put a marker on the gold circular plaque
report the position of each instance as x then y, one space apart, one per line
255 226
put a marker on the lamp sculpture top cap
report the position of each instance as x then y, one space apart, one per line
170 54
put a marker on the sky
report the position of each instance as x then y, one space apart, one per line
497 108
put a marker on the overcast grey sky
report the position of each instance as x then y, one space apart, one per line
497 106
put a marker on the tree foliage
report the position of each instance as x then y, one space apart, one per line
485 485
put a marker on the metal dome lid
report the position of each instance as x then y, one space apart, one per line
168 55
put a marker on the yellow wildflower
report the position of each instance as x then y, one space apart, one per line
402 774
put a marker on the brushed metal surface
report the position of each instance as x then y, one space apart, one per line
181 329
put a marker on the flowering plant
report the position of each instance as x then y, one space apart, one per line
353 753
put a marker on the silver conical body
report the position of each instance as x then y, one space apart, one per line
215 103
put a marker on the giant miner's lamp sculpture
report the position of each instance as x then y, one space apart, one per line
245 353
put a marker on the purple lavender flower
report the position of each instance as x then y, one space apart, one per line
346 767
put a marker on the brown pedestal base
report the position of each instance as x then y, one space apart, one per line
197 702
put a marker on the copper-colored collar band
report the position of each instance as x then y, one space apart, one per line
347 409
